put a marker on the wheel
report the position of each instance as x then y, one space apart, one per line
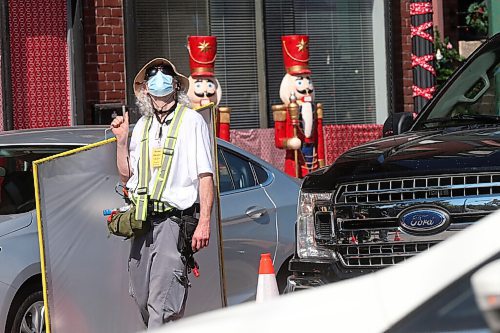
282 276
30 316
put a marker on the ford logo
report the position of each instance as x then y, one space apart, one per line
424 220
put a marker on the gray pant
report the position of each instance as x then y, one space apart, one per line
158 277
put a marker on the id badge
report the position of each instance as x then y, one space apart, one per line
157 157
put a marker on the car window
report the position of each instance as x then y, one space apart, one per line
240 170
225 181
470 99
260 173
454 309
17 194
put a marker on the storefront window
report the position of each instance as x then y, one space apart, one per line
347 48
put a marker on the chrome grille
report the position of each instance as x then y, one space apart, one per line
382 255
443 186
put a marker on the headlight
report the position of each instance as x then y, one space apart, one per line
306 242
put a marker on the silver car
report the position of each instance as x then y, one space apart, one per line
258 209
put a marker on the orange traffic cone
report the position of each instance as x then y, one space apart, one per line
266 286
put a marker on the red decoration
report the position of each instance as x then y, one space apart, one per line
39 64
202 54
424 31
420 31
420 8
426 93
423 62
296 54
338 139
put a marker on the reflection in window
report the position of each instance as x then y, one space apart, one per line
225 182
240 170
479 99
17 194
260 173
472 98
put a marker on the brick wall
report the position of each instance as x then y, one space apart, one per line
104 54
401 56
450 8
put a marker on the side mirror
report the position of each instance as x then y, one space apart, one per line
2 172
486 286
397 123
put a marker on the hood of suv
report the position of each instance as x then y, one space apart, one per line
451 150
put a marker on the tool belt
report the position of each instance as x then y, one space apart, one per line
122 222
170 211
187 221
187 225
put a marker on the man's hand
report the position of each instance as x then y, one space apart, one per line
201 235
202 232
120 126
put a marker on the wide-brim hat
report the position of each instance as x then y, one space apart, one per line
139 78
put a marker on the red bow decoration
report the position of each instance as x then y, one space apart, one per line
424 92
419 8
420 31
423 62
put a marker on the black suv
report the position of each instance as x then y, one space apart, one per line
390 199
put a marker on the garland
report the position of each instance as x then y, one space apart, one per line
423 62
422 8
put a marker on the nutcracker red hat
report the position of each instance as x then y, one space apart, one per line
202 54
296 54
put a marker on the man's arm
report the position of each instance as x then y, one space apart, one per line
202 232
120 127
122 161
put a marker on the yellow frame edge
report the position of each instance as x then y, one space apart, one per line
98 144
39 217
219 217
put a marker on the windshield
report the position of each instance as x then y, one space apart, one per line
17 194
472 99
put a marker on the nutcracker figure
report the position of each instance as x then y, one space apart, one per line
204 88
298 122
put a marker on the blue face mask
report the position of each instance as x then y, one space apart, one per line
160 84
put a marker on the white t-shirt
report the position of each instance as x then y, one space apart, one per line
192 157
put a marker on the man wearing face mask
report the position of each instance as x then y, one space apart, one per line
168 175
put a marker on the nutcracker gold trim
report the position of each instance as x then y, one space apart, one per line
294 69
319 110
202 70
279 107
279 115
224 114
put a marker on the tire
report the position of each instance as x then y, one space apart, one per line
282 276
29 316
